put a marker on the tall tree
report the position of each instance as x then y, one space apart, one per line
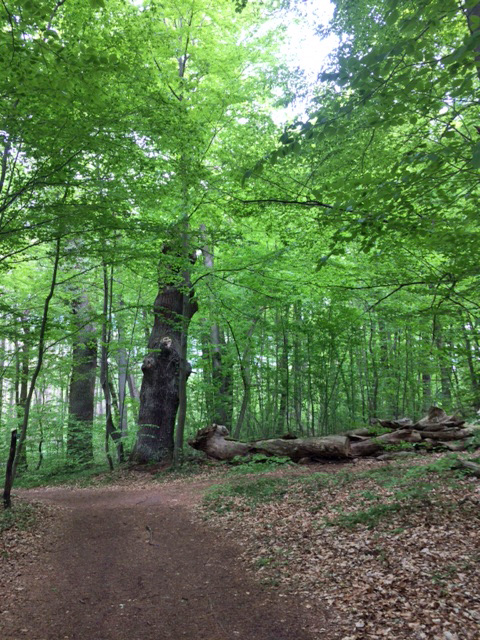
81 397
160 392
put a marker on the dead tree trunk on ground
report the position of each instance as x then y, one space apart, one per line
437 431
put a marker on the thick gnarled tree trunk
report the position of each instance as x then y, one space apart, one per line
160 391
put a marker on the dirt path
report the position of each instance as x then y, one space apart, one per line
127 564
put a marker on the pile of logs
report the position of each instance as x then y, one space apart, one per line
435 431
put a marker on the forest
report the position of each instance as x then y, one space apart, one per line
307 277
245 228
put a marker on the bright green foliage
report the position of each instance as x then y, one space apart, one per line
258 463
345 279
221 498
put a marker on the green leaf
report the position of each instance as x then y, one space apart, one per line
476 156
474 22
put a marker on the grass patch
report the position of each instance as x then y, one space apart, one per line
258 463
405 500
382 492
21 516
188 469
369 517
82 475
222 498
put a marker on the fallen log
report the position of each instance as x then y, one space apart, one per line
438 419
455 446
362 432
215 443
329 447
469 466
435 431
394 455
375 446
450 434
402 423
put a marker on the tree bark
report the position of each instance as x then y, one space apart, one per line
122 362
444 369
82 382
214 442
21 396
473 20
243 361
221 400
159 394
7 501
437 428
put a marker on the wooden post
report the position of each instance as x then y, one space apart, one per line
9 475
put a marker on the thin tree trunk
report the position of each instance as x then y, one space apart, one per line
7 500
110 430
373 399
9 480
221 408
184 366
406 372
297 369
245 373
122 362
2 375
283 420
471 369
183 373
132 387
24 366
352 380
40 402
426 391
311 399
444 370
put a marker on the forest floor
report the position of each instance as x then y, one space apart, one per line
127 562
334 552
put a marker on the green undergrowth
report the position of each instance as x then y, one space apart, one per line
376 494
20 515
239 466
404 500
222 498
99 474
258 463
64 474
189 470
